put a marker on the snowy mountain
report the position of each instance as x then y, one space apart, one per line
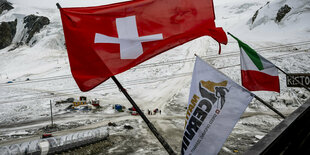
38 71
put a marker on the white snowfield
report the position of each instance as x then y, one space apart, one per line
162 82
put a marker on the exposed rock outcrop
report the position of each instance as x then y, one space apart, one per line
5 5
33 24
7 33
282 12
256 13
254 16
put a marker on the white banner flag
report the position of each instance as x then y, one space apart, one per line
214 107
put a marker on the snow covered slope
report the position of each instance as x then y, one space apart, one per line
288 17
162 82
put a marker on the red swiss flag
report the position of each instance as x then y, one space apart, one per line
106 40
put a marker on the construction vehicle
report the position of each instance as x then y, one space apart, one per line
82 101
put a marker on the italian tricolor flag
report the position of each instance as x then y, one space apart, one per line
257 73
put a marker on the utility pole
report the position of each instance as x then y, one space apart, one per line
51 113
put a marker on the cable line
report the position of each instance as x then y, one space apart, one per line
264 49
108 85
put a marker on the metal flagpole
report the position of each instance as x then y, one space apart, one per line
283 71
293 78
269 106
259 99
266 104
149 124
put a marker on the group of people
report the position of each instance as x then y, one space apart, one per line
149 112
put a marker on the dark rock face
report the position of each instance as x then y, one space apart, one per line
7 33
33 25
5 5
254 16
256 13
282 12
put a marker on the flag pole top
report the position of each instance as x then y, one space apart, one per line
58 5
230 34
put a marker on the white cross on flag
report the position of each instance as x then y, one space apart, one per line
106 40
128 38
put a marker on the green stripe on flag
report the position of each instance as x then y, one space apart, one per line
251 53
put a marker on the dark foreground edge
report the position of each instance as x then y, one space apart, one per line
291 136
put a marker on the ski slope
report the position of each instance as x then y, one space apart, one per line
162 82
